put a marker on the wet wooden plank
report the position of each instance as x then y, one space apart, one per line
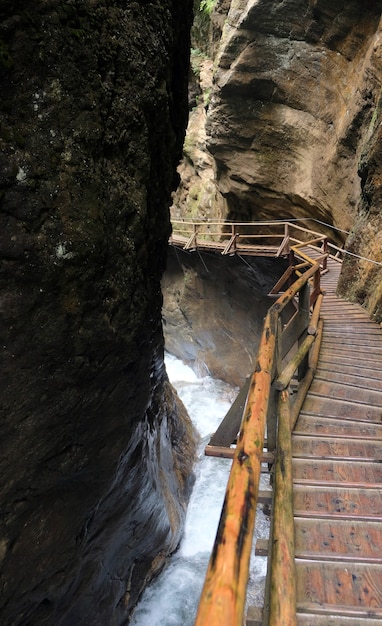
335 360
354 379
329 407
330 447
338 539
358 342
230 425
338 391
354 503
352 589
337 428
308 619
354 352
373 330
331 471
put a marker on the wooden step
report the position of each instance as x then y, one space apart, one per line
310 619
337 428
351 341
335 360
327 588
371 379
336 472
346 324
337 502
356 352
338 540
344 346
338 391
363 330
327 447
329 407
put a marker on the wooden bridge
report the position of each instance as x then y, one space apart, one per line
317 391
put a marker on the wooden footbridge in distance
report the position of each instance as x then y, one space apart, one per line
312 413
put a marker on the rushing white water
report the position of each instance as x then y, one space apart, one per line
173 598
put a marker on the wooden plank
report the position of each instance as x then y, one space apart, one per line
323 406
229 453
353 590
309 619
286 375
347 349
338 539
354 503
337 391
332 471
261 548
364 341
230 425
372 331
337 428
337 362
292 331
354 379
254 616
331 447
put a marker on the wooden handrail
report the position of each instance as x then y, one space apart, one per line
223 596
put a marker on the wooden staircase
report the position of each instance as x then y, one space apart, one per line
337 472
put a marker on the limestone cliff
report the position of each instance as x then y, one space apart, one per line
293 123
95 449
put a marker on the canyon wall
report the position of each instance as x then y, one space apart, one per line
293 126
96 450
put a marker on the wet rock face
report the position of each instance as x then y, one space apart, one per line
95 449
361 280
295 89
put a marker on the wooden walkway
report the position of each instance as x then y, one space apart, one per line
336 467
337 472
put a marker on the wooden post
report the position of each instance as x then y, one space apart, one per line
282 608
274 395
325 251
304 385
304 306
315 316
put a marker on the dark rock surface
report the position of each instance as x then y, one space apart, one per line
95 449
360 279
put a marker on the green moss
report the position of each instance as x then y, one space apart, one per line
6 60
78 33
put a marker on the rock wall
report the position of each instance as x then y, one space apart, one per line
293 125
295 89
96 451
361 279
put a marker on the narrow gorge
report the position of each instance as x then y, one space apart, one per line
284 120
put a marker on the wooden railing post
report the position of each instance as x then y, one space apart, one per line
282 607
325 251
233 234
286 236
274 394
304 306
